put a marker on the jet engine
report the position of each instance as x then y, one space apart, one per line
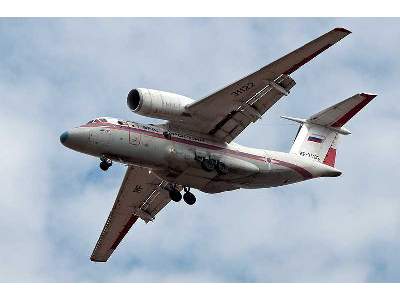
157 104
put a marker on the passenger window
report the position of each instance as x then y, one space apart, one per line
167 135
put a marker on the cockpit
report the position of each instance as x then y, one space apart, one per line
111 121
99 120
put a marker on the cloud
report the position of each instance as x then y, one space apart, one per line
59 73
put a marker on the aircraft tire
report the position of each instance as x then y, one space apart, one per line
208 165
104 165
189 198
222 168
175 195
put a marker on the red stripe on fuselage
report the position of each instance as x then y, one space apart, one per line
300 170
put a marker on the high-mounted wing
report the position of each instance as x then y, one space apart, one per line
227 112
142 195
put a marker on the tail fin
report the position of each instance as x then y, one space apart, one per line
318 135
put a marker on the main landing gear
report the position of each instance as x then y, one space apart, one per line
175 195
188 197
105 163
210 165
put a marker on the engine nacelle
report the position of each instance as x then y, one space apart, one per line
157 104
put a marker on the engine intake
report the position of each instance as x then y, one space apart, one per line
133 99
158 104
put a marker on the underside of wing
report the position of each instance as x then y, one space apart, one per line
142 195
225 113
251 110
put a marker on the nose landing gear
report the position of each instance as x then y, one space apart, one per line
105 163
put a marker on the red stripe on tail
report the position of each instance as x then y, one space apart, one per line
330 157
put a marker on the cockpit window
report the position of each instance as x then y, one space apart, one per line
120 122
101 120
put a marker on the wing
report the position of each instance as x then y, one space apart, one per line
142 195
227 112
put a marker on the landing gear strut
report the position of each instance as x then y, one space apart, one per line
105 163
188 197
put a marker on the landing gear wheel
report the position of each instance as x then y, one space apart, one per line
104 165
189 198
222 168
175 195
208 165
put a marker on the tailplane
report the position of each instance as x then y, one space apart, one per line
318 135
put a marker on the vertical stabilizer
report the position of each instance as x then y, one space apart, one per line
318 135
316 142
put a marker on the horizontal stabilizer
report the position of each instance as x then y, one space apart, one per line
340 130
339 114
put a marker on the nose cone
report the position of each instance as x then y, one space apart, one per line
64 137
76 139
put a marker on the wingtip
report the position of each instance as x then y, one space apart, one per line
341 29
98 260
368 96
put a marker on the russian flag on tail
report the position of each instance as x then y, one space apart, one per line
315 139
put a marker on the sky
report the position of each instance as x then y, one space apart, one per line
56 74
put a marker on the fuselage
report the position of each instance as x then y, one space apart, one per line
175 155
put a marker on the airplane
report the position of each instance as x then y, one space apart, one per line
194 149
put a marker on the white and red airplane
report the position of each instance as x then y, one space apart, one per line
195 148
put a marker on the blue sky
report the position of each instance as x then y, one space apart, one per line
58 73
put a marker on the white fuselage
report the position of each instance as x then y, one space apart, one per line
174 155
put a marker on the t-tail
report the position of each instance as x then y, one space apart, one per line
317 137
